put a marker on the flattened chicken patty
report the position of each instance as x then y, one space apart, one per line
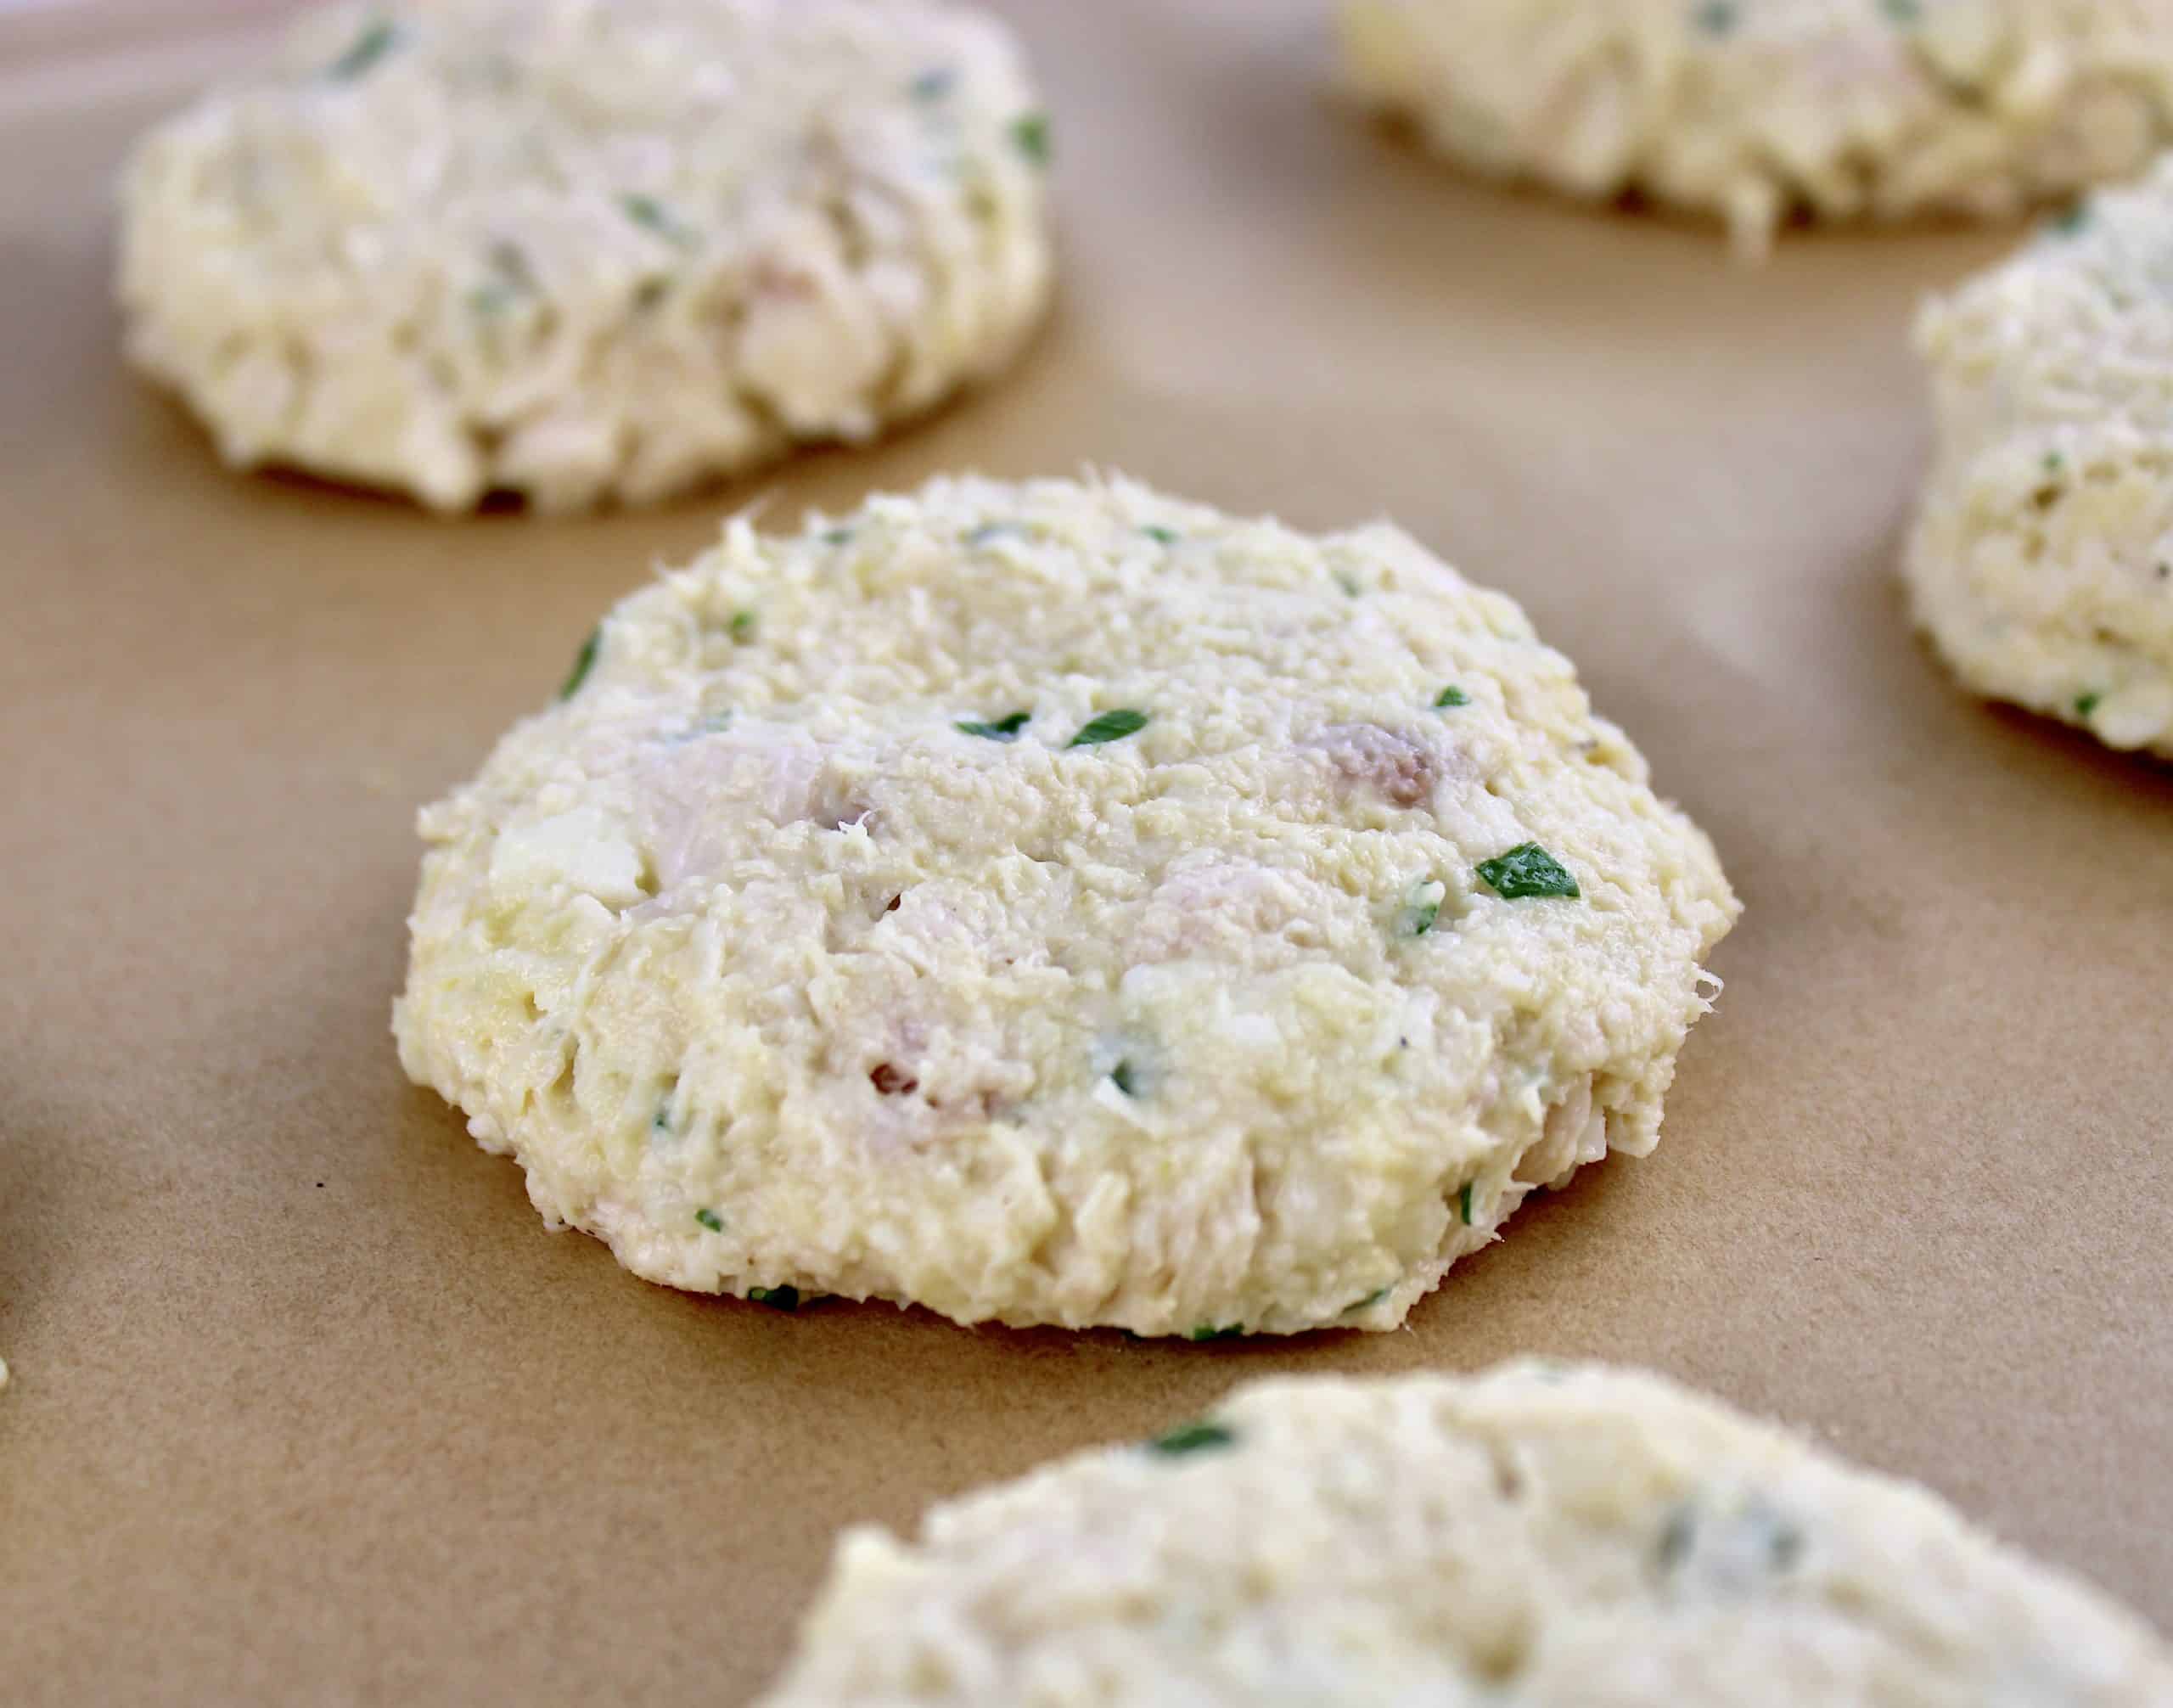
2041 562
1755 109
1060 903
589 249
1534 1537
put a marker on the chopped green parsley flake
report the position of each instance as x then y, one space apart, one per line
710 1219
1740 1535
2053 461
1715 17
1903 11
2070 221
2087 703
1161 536
1121 1077
1526 870
1030 134
1109 725
584 662
1004 728
776 1298
1423 909
933 85
1367 1303
743 625
837 536
511 278
651 214
1208 1331
1451 695
378 39
1463 1200
1348 582
1193 1438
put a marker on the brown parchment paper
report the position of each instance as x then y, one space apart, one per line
307 1407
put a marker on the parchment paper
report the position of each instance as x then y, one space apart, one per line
307 1407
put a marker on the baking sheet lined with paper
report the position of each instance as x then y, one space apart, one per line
305 1404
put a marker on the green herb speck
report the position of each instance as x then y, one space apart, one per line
1451 695
775 1298
1526 870
711 1219
1209 1331
933 85
1903 12
2069 220
2054 462
584 662
1004 728
1120 1075
378 39
1715 17
2087 703
1676 1537
743 626
1464 1199
1193 1438
1109 725
1030 134
511 277
1367 1303
1737 1535
837 536
1420 914
1348 582
651 214
1161 536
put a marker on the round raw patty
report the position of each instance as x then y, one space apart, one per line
1535 1535
2041 563
1757 108
1058 904
588 250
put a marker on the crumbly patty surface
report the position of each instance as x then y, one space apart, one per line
1060 903
2041 563
588 250
1758 109
1535 1535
